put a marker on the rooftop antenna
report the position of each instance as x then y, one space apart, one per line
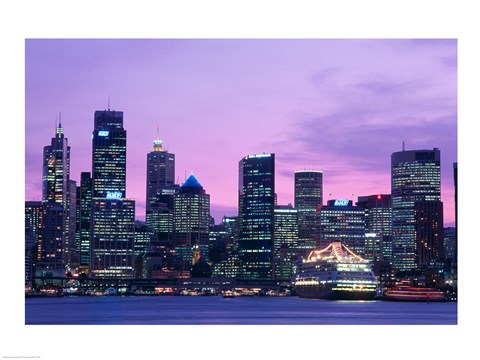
403 145
60 119
109 102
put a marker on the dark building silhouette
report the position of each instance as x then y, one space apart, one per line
308 197
256 204
428 232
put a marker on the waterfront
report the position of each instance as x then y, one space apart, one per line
245 310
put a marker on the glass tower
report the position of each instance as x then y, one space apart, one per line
109 155
84 215
341 221
113 215
285 240
191 220
378 226
308 197
415 177
255 216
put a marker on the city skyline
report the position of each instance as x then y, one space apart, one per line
317 104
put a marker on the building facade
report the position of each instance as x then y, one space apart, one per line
285 240
308 197
112 213
415 178
341 221
256 205
378 226
191 220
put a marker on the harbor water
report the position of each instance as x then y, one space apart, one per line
242 310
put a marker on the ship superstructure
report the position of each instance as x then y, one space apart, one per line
335 272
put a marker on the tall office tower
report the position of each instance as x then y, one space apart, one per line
56 169
285 240
378 226
428 232
308 197
84 201
112 242
160 191
191 220
256 198
160 173
56 182
30 244
33 217
341 221
71 251
415 177
109 155
51 259
113 215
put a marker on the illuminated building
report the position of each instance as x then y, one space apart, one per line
33 217
191 219
160 173
429 245
285 240
160 191
415 177
143 237
30 244
57 186
256 203
84 202
113 215
71 249
112 242
341 221
56 169
51 260
109 155
378 226
308 197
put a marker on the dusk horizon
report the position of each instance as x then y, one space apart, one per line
338 106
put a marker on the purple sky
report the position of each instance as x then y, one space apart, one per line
340 106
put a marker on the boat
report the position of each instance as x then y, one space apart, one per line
413 293
334 273
229 294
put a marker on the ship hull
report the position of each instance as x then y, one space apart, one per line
324 292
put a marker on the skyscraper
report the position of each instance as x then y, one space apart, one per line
285 240
109 155
341 221
84 216
113 215
429 243
415 177
255 215
160 191
56 169
160 173
308 197
191 220
378 226
56 189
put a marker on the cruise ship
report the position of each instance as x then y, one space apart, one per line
335 273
